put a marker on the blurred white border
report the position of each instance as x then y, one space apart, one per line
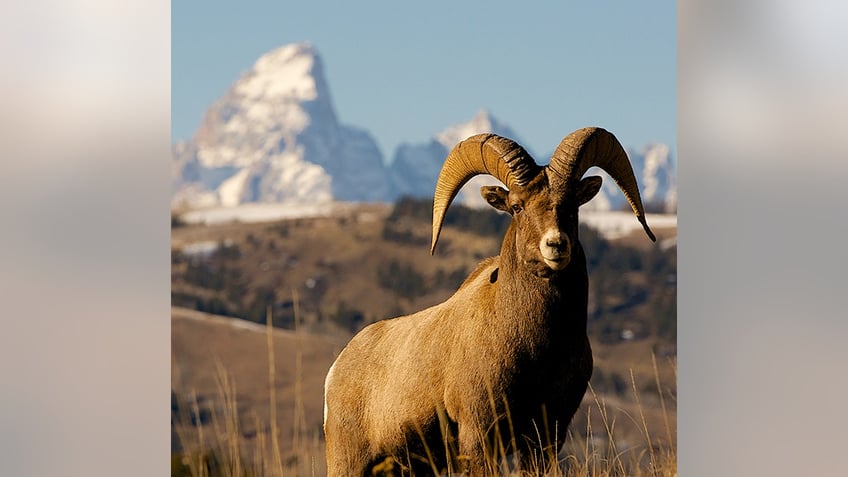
762 143
84 257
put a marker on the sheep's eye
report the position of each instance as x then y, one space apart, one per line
516 208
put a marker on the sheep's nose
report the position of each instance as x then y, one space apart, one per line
554 242
555 249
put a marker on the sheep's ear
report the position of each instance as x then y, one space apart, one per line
588 188
496 197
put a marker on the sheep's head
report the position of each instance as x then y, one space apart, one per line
543 201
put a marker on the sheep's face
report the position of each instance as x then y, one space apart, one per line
544 215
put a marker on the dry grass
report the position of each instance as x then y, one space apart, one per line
227 451
610 436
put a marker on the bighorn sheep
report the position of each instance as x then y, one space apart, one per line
508 352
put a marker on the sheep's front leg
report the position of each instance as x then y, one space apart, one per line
345 461
472 453
346 451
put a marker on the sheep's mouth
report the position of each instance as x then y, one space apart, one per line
543 269
555 259
556 263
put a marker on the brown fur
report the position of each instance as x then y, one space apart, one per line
510 342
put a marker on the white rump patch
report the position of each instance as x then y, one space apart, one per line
326 384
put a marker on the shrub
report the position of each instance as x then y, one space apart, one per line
483 222
401 278
348 317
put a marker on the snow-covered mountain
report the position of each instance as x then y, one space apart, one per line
415 167
273 137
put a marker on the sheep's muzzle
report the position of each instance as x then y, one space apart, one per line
555 248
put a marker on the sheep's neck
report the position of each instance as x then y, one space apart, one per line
542 309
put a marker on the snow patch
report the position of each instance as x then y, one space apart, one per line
656 157
231 190
283 73
616 224
262 212
202 249
482 122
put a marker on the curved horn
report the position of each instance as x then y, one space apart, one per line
589 147
489 154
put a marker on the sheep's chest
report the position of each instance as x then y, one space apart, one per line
553 379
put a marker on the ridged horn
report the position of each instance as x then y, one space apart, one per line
490 154
594 146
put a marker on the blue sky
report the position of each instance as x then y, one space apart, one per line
407 72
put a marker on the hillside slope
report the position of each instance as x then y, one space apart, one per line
206 348
360 264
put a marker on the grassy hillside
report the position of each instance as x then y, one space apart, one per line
325 278
222 412
343 272
222 389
